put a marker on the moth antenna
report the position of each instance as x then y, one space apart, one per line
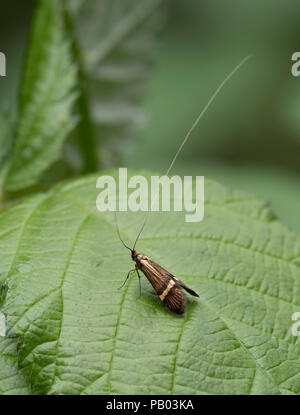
189 133
118 230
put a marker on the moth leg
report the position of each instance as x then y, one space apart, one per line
132 270
137 270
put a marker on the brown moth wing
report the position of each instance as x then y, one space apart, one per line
164 285
183 285
159 279
167 287
163 271
175 300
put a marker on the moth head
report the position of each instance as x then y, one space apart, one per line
134 255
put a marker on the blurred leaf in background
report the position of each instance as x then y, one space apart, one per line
115 44
112 61
5 138
46 99
15 20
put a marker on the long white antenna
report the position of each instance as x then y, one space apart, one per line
189 133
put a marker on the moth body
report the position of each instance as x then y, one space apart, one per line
166 286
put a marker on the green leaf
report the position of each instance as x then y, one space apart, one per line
12 382
46 98
115 43
80 334
5 139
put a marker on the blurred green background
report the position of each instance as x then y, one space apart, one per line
250 137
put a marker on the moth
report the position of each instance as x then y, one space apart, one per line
167 286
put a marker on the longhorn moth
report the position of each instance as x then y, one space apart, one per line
166 285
